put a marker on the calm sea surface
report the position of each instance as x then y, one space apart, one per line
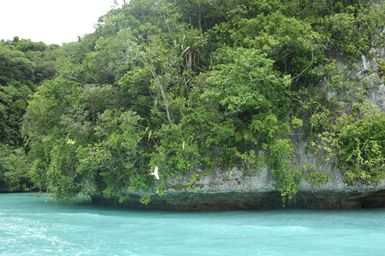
32 224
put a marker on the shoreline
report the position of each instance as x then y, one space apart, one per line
252 200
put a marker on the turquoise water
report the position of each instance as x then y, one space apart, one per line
33 225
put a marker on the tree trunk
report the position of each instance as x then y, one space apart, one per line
164 97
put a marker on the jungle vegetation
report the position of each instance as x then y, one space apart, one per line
193 87
24 65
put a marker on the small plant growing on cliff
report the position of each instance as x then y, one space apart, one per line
281 155
381 67
145 199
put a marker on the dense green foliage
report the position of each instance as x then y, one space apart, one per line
356 142
202 85
23 66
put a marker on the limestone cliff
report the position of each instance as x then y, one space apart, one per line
236 189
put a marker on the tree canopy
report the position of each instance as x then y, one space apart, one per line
23 66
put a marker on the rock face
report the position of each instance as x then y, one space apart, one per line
369 72
235 190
